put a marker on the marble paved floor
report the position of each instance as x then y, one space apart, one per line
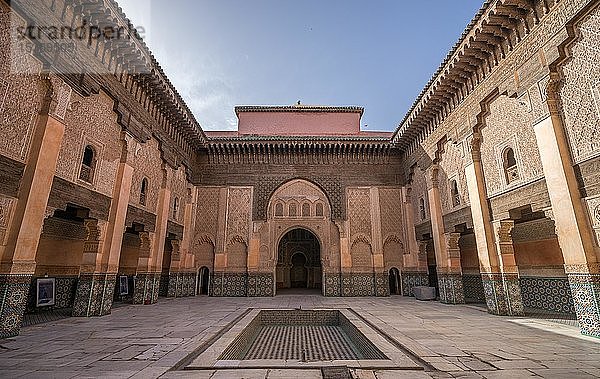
148 341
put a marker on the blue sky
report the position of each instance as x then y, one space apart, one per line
378 54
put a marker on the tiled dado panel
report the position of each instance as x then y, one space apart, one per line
411 280
367 284
552 294
13 303
332 285
473 287
229 284
260 285
65 288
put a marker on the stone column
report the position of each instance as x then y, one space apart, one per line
496 284
17 263
414 270
175 275
95 290
450 277
448 269
575 235
102 249
144 283
508 298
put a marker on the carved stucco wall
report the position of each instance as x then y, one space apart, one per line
360 226
509 124
147 163
206 223
179 190
17 121
418 190
239 208
392 226
580 93
91 121
452 167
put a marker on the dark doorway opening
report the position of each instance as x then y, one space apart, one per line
299 261
203 281
394 280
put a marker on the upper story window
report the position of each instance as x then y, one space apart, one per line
422 209
175 208
454 193
144 191
509 163
278 209
293 210
88 164
306 210
319 211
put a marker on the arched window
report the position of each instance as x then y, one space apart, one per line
279 209
422 209
454 193
319 210
88 164
306 210
143 191
511 171
293 210
175 208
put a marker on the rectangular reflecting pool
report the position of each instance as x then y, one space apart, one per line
300 338
302 335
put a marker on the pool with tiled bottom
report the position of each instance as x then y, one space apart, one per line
300 338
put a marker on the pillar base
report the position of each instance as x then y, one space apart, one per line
411 280
94 295
451 288
585 288
146 287
13 300
503 294
174 284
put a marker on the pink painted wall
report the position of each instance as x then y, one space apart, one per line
298 123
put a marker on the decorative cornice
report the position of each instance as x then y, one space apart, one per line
298 108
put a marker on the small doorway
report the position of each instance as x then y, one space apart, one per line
394 280
203 281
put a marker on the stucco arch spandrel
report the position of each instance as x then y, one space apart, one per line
298 191
203 239
393 238
266 187
360 238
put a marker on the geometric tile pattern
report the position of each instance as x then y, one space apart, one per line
473 287
94 295
230 284
503 294
145 288
451 288
411 280
260 285
332 285
552 294
65 288
356 284
163 286
586 296
13 300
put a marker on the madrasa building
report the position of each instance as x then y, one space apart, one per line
488 190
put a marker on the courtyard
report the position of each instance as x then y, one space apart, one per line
162 340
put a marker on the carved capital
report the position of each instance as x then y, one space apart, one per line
504 231
553 93
175 253
475 147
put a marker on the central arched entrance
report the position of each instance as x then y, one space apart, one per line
299 261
